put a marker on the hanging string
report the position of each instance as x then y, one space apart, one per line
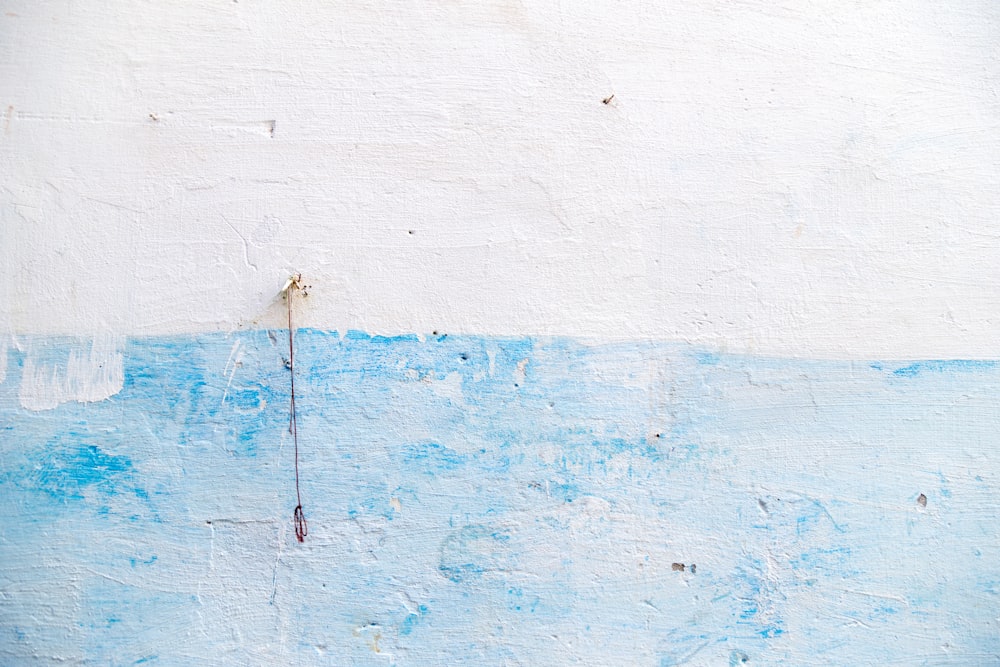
301 527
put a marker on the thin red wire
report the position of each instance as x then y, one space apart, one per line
301 527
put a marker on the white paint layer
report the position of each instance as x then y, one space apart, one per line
93 371
777 177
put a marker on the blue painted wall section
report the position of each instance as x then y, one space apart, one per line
482 501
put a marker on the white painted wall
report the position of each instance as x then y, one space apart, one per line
814 179
806 178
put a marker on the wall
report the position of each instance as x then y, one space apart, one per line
724 319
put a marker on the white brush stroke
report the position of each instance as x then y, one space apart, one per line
3 360
234 361
93 371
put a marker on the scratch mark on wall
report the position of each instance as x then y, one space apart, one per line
235 129
234 362
244 241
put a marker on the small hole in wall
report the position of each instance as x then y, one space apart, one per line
463 357
922 500
410 232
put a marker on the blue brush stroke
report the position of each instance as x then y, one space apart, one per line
944 366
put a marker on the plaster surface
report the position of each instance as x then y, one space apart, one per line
700 375
502 501
813 179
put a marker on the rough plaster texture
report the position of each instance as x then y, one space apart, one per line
772 184
807 178
489 501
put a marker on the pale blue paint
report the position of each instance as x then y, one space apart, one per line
459 517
